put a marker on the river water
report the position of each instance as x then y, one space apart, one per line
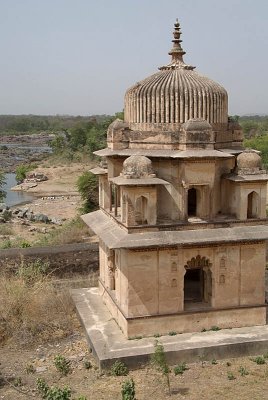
20 197
15 198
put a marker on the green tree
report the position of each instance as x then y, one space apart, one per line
2 182
21 171
87 185
58 144
78 137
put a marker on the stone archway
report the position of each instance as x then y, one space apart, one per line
198 280
252 205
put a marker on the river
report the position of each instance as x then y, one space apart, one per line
15 198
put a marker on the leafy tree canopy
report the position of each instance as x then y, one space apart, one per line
2 182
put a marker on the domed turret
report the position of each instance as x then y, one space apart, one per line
249 160
175 94
135 167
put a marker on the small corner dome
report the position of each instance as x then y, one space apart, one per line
117 124
136 167
196 124
249 159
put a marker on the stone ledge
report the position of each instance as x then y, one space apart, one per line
109 344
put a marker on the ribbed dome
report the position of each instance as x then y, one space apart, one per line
174 95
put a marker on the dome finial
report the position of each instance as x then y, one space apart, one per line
177 52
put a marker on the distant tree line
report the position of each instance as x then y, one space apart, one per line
85 136
27 124
254 126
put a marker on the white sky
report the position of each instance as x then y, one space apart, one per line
80 56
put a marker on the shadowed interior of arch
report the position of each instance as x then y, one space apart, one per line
252 208
198 282
192 202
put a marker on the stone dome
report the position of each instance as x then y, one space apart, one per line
175 94
249 159
137 167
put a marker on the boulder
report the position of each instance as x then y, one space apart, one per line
41 218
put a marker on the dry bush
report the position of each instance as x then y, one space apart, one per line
74 231
34 312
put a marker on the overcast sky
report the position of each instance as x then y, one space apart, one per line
79 56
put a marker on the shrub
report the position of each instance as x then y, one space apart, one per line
158 359
128 390
172 333
180 369
230 376
52 393
30 369
258 360
87 364
215 328
62 365
33 272
24 244
21 171
119 369
243 371
87 185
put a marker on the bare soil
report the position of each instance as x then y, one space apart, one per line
57 198
201 381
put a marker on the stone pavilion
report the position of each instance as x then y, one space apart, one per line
182 221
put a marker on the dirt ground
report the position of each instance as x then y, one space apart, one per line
61 180
57 198
201 381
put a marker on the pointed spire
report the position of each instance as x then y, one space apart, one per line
177 52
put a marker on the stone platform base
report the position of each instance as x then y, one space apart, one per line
109 344
195 320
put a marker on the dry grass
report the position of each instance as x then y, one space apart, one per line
74 231
32 310
6 230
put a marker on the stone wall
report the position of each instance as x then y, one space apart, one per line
65 260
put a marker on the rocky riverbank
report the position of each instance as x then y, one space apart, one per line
57 199
15 150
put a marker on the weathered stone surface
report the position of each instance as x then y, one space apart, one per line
183 245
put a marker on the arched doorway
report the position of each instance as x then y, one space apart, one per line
252 206
198 281
192 202
141 210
